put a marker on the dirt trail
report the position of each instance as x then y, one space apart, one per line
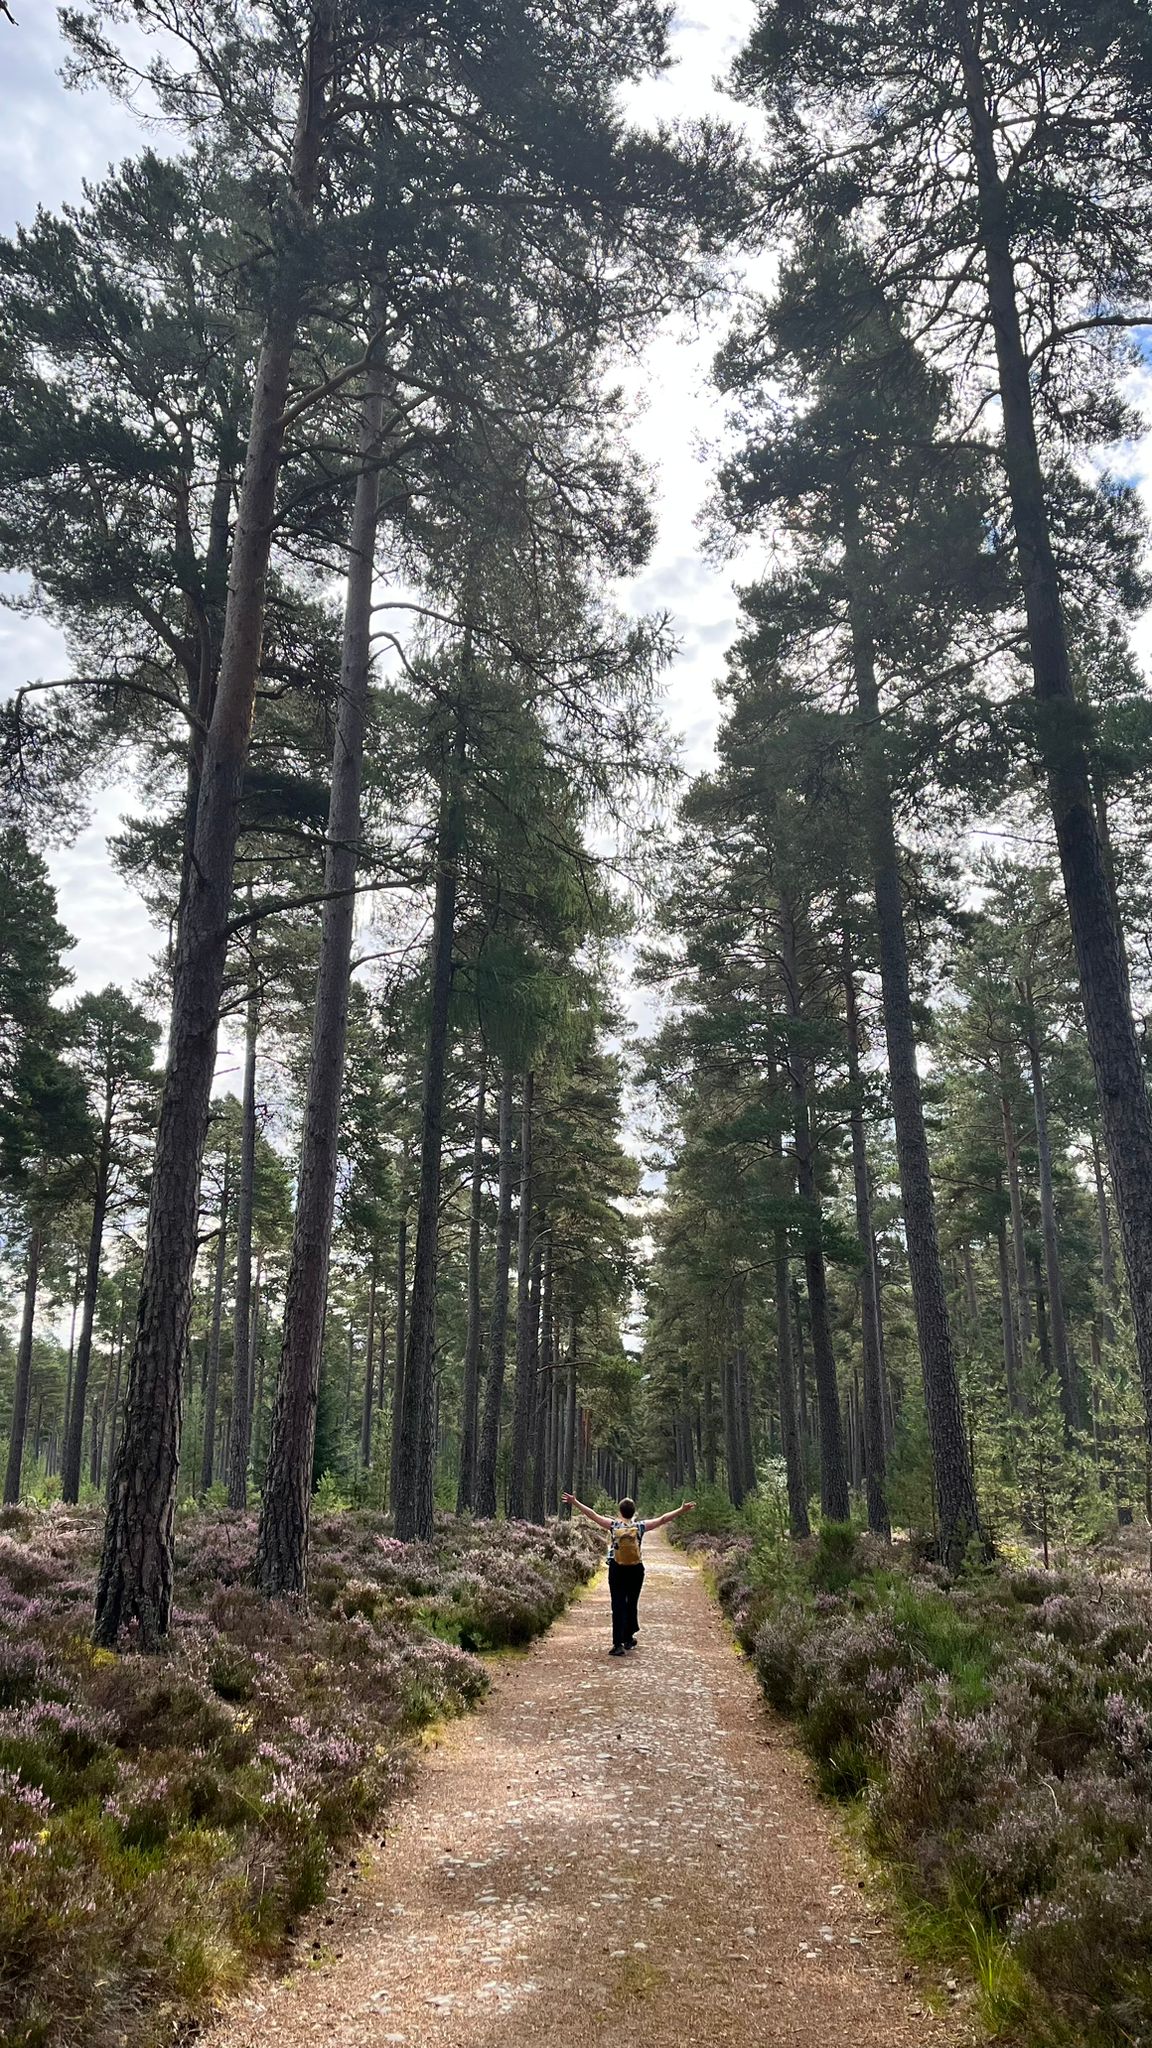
611 1846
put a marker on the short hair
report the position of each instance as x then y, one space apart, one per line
627 1507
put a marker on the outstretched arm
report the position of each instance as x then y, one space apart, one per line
658 1521
601 1521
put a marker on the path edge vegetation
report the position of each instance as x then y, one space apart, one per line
176 1818
975 1731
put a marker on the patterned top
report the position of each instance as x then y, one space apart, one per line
620 1523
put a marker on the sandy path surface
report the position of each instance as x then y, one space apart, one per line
611 1846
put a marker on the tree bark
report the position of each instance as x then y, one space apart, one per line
572 1418
415 1471
542 1392
74 1442
875 1458
401 1350
212 1373
795 1474
367 1404
1069 1392
108 1419
1007 1321
240 1421
834 1496
135 1582
23 1381
1016 1211
954 1487
523 1390
1043 1345
282 1550
1113 1042
470 1398
730 1424
1107 1254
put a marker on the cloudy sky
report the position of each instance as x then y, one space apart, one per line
53 139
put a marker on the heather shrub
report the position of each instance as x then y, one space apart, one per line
164 1820
940 1762
996 1728
776 1653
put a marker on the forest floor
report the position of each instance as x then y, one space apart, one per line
608 1845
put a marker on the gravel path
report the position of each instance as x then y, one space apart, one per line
610 1846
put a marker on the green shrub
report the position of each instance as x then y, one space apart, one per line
996 1730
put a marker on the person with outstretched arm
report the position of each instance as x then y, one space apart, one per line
625 1563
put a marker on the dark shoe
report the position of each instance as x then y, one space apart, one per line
617 1650
631 1643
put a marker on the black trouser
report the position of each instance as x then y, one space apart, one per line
624 1583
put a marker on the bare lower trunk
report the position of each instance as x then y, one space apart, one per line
108 1424
240 1422
797 1478
1069 1392
834 1496
416 1462
571 1419
1016 1211
23 1381
1107 1255
135 1582
498 1327
366 1405
1126 1113
955 1490
470 1397
74 1444
522 1401
212 1374
542 1394
744 1399
400 1349
875 1460
1007 1321
282 1552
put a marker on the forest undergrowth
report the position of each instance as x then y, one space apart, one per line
991 1734
165 1821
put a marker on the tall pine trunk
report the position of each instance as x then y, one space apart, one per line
240 1422
1069 1391
369 1390
730 1423
1113 1042
416 1461
571 1417
282 1550
953 1483
1107 1255
875 1458
1016 1210
400 1349
108 1423
498 1327
470 1399
215 1333
23 1380
1007 1319
523 1389
74 1442
834 1496
135 1582
795 1474
541 1388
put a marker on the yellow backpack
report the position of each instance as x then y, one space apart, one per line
625 1543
